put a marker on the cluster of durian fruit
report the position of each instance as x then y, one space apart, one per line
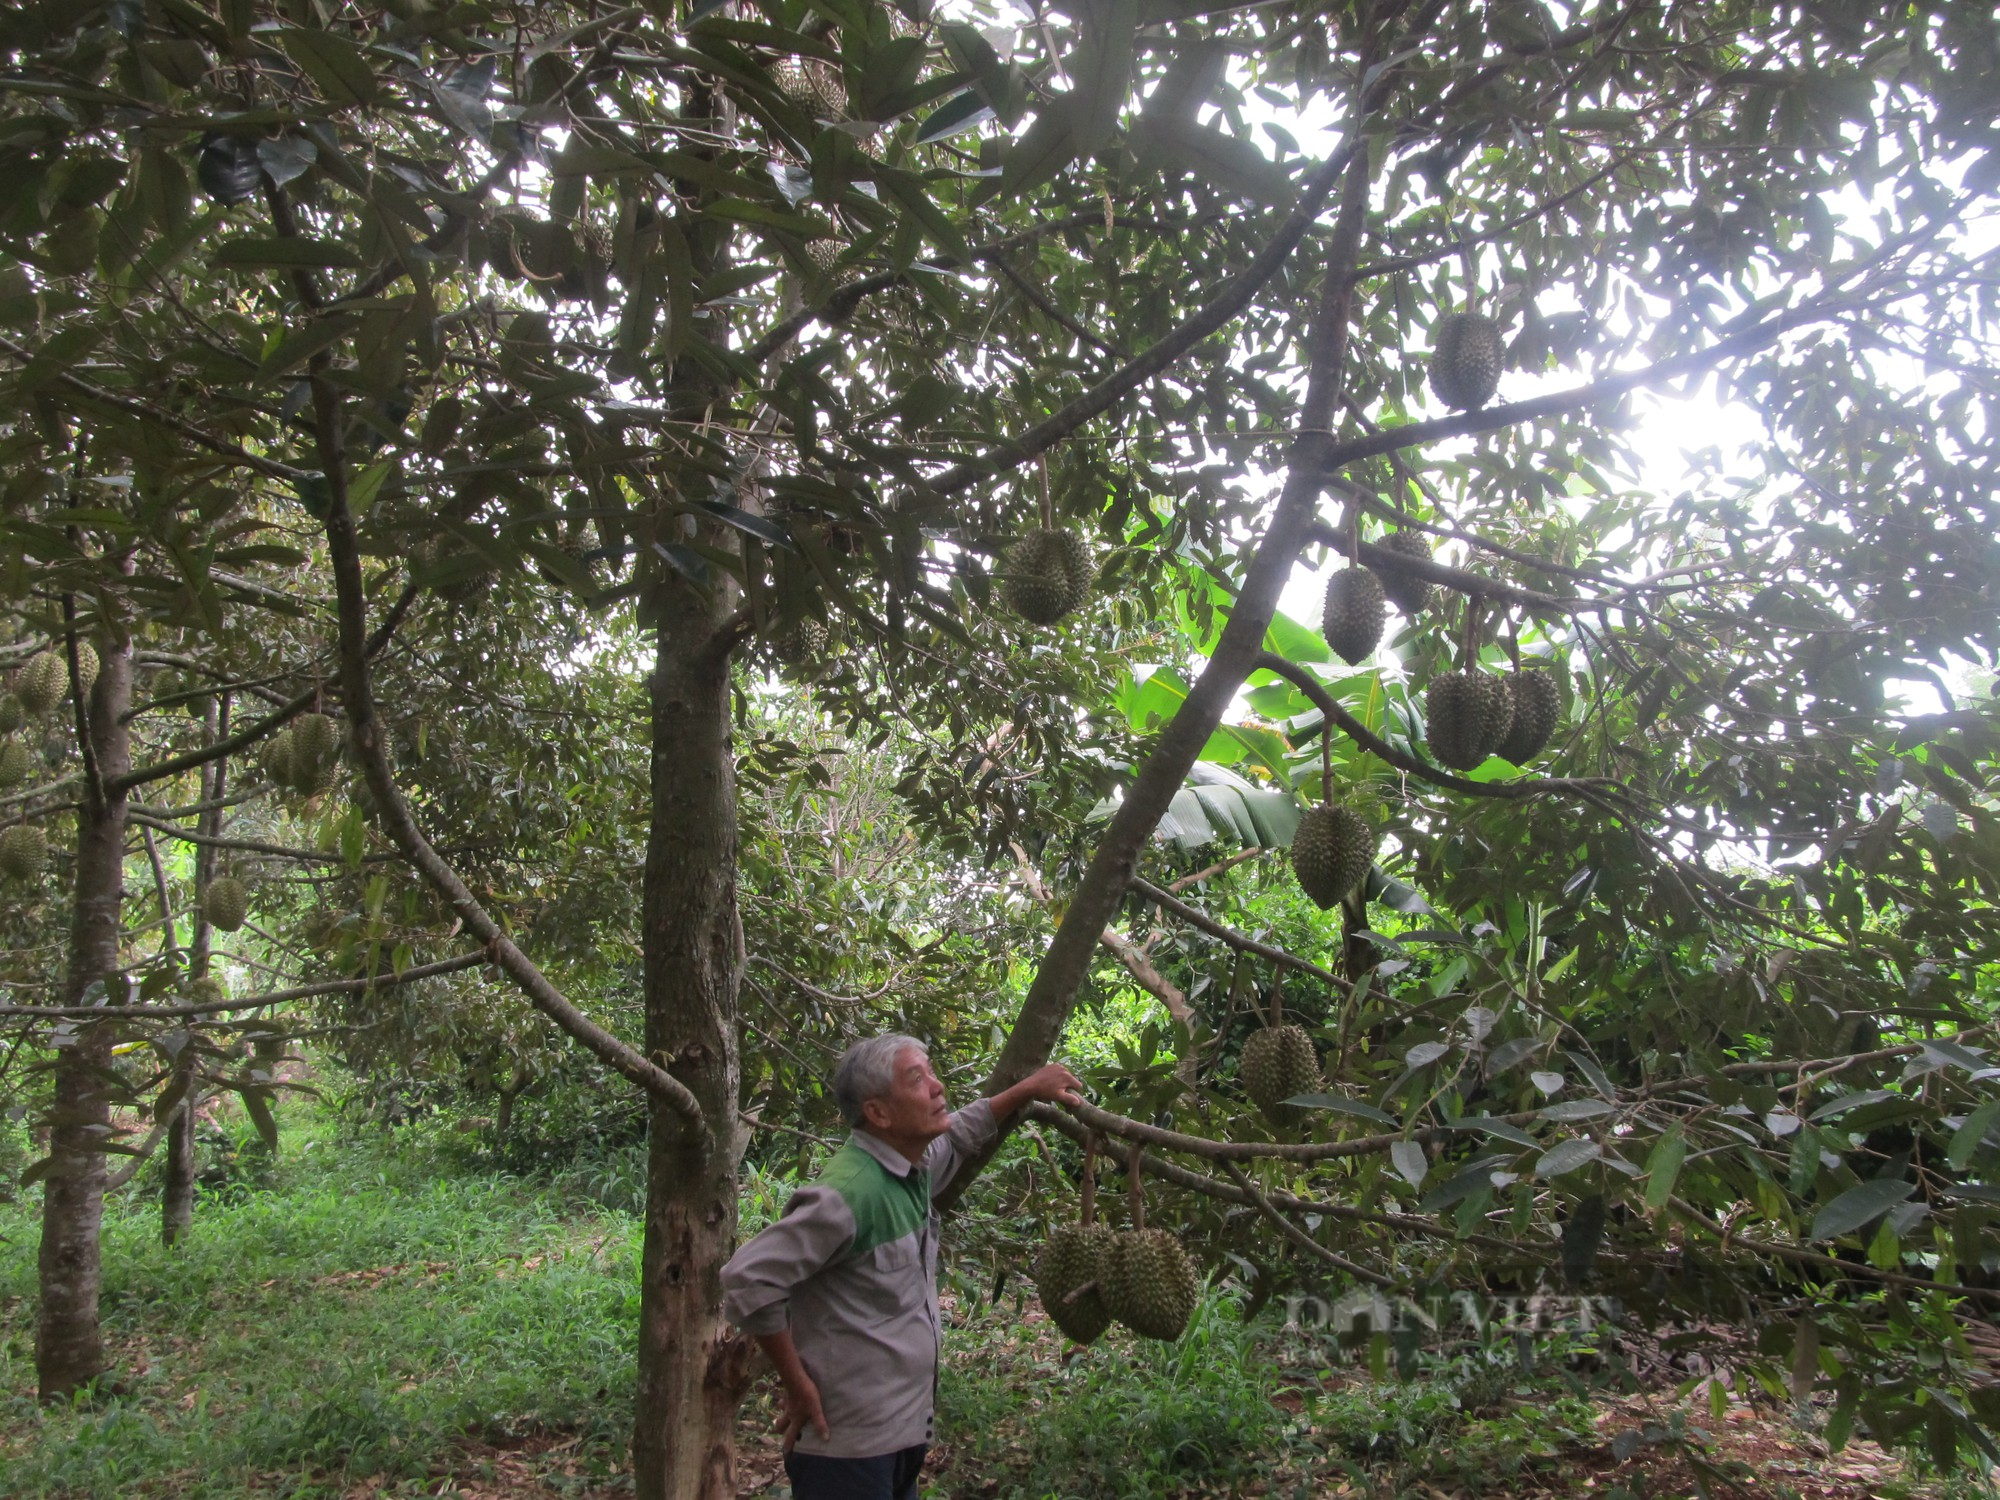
1090 1275
40 687
304 757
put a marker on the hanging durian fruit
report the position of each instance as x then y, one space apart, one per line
42 682
1468 714
1279 1062
1465 365
1354 615
1332 849
1150 1284
226 903
1047 574
1069 1273
24 851
1537 706
1409 594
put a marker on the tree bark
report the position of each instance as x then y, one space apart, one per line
692 1367
1063 968
182 1163
69 1344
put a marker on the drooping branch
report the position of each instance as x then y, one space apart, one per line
1122 948
365 735
366 982
1243 942
229 744
1402 760
1298 1236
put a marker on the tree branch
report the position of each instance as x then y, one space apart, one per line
1242 941
254 1002
394 813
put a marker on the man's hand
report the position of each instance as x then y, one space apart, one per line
801 1403
801 1406
1053 1084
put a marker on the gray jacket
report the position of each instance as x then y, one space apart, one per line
851 1269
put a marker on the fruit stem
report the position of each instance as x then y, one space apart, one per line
1135 1187
1048 504
1278 996
1469 647
1089 1214
1326 760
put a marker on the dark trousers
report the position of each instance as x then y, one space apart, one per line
887 1476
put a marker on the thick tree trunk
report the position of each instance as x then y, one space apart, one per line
69 1346
692 1367
178 1174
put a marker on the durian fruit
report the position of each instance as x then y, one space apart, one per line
1537 706
13 714
313 760
207 991
1411 595
1354 616
1465 365
24 851
86 668
1469 714
1331 852
1279 1063
275 759
42 682
1151 1285
812 85
1048 574
1072 1259
16 762
225 903
801 642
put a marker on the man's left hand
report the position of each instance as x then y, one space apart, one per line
1053 1084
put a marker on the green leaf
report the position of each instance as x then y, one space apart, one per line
335 65
1048 145
1858 1205
1965 1140
1567 1157
909 192
1227 163
290 254
1663 1168
1340 1104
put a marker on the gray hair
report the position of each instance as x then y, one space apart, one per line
868 1071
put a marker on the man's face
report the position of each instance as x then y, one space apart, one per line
914 1108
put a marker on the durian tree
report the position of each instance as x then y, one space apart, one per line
851 338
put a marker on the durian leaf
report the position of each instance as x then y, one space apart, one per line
1340 1104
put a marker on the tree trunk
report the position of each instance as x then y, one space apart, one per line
182 1163
692 1367
69 1346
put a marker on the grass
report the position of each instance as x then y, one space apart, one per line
389 1315
356 1313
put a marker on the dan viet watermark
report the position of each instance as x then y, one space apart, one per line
1366 1311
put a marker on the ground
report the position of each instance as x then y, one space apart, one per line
380 1316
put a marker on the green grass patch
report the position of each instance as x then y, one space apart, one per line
354 1313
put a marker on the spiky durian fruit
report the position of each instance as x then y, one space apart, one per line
1469 714
314 760
812 85
275 759
1537 706
86 668
16 761
1279 1063
207 991
801 642
1465 365
13 713
1074 1257
42 681
1331 852
1150 1284
226 903
1354 614
24 851
1047 575
1409 594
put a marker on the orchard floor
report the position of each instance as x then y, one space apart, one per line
370 1319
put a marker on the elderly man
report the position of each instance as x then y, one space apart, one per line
841 1292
